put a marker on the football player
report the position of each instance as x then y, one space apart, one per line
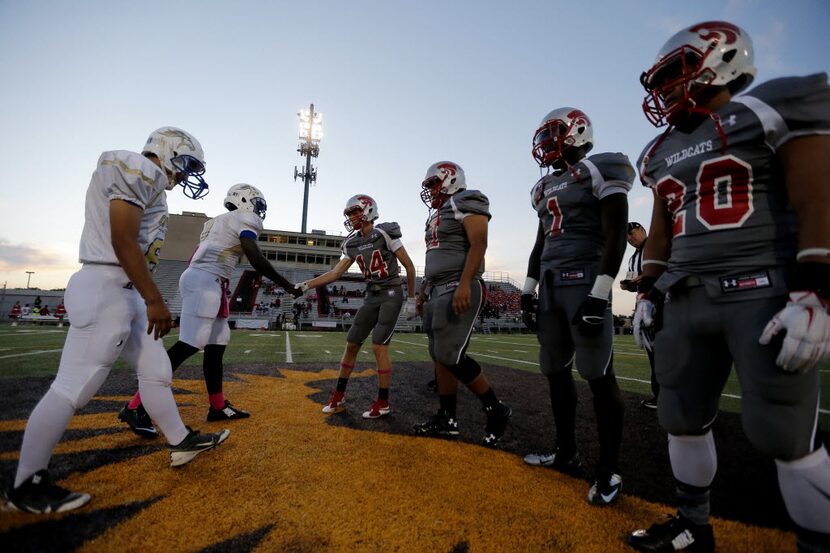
582 205
452 294
740 246
204 289
377 248
116 311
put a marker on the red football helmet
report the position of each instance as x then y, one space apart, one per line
359 211
560 130
709 54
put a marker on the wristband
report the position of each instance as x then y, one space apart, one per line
602 286
530 285
813 252
654 262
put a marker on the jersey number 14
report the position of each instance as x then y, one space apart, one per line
377 266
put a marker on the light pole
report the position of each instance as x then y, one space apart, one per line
311 131
29 279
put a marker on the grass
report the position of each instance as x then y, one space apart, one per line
35 351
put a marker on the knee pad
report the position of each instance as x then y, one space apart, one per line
805 487
694 459
79 392
466 371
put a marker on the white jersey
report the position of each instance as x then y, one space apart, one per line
219 248
131 177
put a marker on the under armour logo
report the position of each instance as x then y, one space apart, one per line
118 345
731 121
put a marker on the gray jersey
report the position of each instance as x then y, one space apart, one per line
732 222
568 208
375 253
446 240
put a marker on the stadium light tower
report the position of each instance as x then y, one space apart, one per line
311 131
29 279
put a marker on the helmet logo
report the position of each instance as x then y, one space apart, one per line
183 138
450 170
365 201
711 30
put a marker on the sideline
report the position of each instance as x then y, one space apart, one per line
288 357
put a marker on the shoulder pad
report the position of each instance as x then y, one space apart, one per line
471 201
131 163
392 229
613 166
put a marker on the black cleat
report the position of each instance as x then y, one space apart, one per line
497 417
676 533
138 420
39 494
194 444
605 489
650 404
228 412
554 459
440 424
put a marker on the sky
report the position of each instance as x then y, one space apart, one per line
400 84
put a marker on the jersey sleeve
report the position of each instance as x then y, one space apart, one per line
611 173
392 233
469 202
791 107
249 225
344 251
131 177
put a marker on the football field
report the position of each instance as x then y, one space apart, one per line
35 351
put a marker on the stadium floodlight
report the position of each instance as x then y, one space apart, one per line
311 132
29 279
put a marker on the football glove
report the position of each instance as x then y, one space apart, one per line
301 286
590 316
645 314
409 309
530 310
807 326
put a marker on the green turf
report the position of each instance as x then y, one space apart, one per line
519 351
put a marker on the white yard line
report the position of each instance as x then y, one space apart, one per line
327 351
399 351
247 351
30 353
288 357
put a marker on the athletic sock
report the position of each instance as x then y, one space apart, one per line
217 401
341 384
179 353
212 369
135 402
488 398
447 403
563 404
383 394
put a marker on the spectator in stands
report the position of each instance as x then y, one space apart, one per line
637 238
377 249
203 285
60 311
45 311
38 301
26 310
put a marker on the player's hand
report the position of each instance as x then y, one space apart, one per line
299 289
419 304
159 320
645 317
461 298
807 326
590 316
409 309
530 310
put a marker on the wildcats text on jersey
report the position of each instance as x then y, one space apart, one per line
691 151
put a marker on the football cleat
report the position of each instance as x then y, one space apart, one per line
194 444
39 494
569 465
605 490
676 533
228 412
649 403
378 409
336 404
497 417
138 420
441 424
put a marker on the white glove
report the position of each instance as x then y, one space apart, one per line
807 323
302 286
644 313
409 310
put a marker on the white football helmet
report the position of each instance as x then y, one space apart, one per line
443 179
246 197
559 131
360 210
712 53
181 157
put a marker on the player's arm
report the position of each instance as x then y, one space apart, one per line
475 226
534 262
125 221
614 217
258 262
806 163
405 260
658 246
330 276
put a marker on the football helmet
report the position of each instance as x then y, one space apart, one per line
181 157
708 54
443 179
246 197
360 210
559 131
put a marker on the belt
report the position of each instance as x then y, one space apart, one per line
688 282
